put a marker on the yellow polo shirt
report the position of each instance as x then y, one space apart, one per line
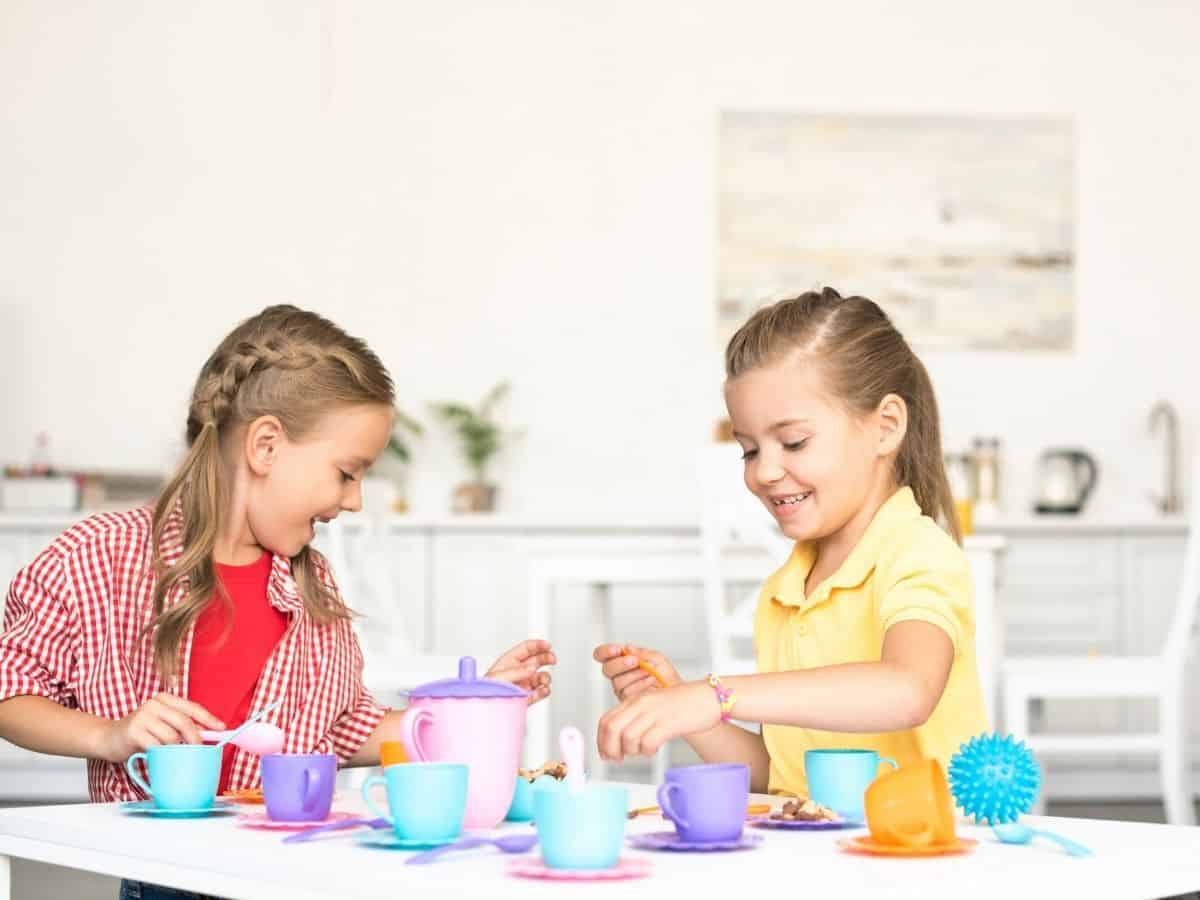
904 568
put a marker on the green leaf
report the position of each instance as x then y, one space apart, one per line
408 423
399 449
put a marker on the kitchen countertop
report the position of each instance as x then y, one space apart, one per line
1090 522
1005 525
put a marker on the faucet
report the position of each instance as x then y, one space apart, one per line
1170 502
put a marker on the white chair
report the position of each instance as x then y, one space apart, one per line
1161 677
391 666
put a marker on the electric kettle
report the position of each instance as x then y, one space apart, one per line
1065 479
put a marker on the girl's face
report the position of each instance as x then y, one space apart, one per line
814 465
297 483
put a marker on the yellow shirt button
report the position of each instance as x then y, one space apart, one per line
801 628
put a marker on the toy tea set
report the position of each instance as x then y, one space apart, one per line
461 745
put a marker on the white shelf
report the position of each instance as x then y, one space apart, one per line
1087 523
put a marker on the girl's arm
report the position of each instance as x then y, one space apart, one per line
387 730
896 693
39 724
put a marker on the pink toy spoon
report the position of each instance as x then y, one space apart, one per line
259 738
570 741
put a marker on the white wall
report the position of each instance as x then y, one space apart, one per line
526 190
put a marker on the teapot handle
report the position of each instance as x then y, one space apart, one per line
410 725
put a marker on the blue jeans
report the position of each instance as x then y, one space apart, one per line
140 890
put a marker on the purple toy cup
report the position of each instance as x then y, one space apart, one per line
706 803
298 787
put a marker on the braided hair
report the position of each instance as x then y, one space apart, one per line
284 362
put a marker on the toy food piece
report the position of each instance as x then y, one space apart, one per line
245 795
646 667
805 810
557 770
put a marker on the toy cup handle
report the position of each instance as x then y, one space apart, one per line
410 732
135 776
891 762
664 801
312 780
366 795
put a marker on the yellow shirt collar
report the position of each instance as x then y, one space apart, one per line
787 585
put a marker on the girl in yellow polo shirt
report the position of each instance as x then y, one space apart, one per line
866 636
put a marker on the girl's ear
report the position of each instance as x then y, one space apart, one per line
892 418
263 438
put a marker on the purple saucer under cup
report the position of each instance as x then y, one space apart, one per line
670 840
707 803
802 825
298 787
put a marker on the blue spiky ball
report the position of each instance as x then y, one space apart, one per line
994 778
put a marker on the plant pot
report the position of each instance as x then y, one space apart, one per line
474 497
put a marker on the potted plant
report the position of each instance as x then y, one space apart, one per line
480 438
403 428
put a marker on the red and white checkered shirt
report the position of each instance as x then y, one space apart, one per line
73 631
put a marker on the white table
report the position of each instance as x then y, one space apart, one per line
216 856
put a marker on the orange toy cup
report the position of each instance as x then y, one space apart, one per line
911 807
392 752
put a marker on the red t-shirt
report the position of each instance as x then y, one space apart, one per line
225 665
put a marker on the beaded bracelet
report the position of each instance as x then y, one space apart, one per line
725 696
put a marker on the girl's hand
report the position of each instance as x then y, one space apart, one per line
163 719
620 666
520 666
642 724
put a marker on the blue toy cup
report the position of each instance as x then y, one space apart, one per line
582 830
427 801
521 808
182 776
839 778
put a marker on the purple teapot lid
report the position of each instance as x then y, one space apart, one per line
467 684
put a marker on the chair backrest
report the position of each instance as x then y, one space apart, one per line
1187 609
733 523
367 588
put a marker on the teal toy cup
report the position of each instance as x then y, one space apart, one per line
182 776
521 808
583 830
427 801
839 778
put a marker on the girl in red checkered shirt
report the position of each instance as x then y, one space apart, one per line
132 628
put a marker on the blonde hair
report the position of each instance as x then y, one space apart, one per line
284 362
862 358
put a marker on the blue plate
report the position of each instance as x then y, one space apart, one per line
388 840
147 808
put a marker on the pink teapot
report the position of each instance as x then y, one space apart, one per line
470 720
